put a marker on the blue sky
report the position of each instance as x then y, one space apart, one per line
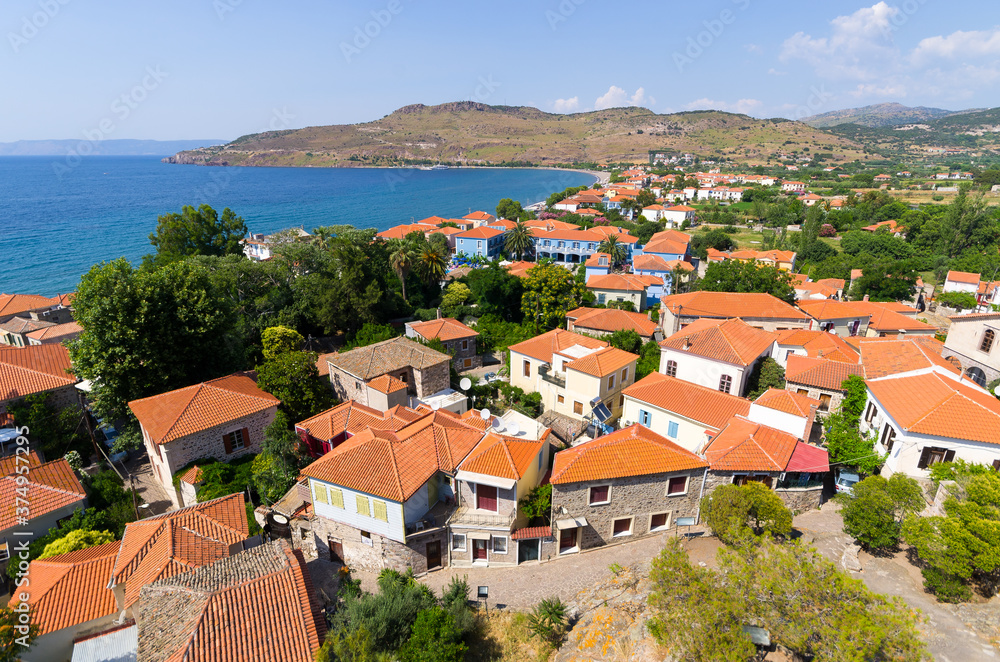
172 69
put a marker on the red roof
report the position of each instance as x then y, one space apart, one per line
827 309
603 362
34 369
542 347
708 406
789 402
446 328
621 282
353 417
732 340
482 232
823 373
503 457
611 320
747 446
46 487
809 459
894 356
963 277
728 304
12 304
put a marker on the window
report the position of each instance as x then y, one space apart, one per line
591 246
987 344
458 542
672 429
803 391
671 369
479 246
337 497
622 527
824 402
560 398
319 493
789 353
366 538
403 377
601 298
499 544
357 385
931 456
659 522
611 382
677 485
645 417
977 375
726 384
621 401
465 344
870 412
361 503
467 363
578 407
235 440
527 369
888 436
486 498
624 375
599 494
576 244
381 513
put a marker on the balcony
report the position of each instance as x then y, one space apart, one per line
465 516
559 379
434 519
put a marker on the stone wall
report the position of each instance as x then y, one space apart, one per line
637 497
432 379
799 500
459 355
835 397
347 387
383 552
967 363
506 499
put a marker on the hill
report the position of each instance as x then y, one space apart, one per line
878 115
972 130
120 147
477 134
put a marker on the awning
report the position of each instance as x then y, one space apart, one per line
483 479
808 459
571 523
475 535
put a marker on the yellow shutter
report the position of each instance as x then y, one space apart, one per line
320 492
363 506
336 497
380 511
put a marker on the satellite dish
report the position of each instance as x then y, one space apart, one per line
497 424
485 414
513 429
465 384
435 406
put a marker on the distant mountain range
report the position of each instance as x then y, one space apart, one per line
881 115
119 147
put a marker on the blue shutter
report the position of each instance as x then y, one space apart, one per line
644 417
672 430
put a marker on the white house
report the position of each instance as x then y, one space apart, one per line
961 281
677 214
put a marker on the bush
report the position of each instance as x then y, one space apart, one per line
958 300
76 540
433 638
945 587
734 512
827 230
873 513
548 622
537 503
389 614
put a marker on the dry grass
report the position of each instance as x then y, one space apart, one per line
503 636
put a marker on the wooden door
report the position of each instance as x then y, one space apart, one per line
336 550
478 550
486 497
567 539
434 554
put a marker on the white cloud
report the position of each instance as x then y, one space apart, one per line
753 48
570 105
774 72
971 44
616 97
744 106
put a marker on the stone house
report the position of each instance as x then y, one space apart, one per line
37 369
619 487
458 339
972 340
222 418
423 370
54 493
819 379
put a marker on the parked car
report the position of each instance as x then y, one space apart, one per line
844 481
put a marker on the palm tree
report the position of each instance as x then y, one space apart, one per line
433 263
401 260
518 240
321 237
613 247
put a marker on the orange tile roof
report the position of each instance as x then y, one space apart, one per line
386 384
830 310
743 445
963 277
885 320
708 406
353 417
664 245
552 224
520 268
602 362
258 605
895 356
56 332
71 589
729 304
503 457
819 344
632 451
787 401
622 282
599 260
402 231
176 414
12 304
478 216
611 320
732 340
50 487
446 328
482 232
34 369
672 235
939 406
323 365
9 464
974 317
192 476
822 373
542 347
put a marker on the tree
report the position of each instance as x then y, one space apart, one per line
627 340
147 332
548 621
496 292
537 504
433 263
280 339
613 246
518 240
293 378
844 442
886 281
18 631
370 334
401 259
649 360
389 614
76 540
509 209
197 232
716 239
455 295
805 602
434 638
343 645
55 432
959 300
747 276
549 293
276 467
875 509
765 375
733 512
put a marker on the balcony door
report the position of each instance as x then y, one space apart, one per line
486 497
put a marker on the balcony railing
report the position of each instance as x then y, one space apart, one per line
465 516
552 377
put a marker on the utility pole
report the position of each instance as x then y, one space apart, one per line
86 418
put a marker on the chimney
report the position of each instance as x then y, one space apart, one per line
438 313
866 298
687 342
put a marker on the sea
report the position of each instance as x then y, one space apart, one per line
60 216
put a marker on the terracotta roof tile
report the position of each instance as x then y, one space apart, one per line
732 340
886 320
387 384
599 260
963 277
532 532
632 451
602 362
57 332
747 446
446 328
822 373
34 369
819 344
622 282
895 356
387 356
353 417
503 457
192 476
12 304
829 310
708 406
50 487
787 401
612 319
482 232
542 347
728 304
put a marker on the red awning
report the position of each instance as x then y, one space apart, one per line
808 459
532 532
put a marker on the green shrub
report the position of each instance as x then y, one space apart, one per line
548 621
945 587
734 512
874 511
958 300
433 638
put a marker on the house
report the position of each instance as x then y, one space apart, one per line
817 344
677 214
961 281
820 379
222 418
69 598
479 218
882 178
327 430
258 605
886 322
598 264
424 371
497 473
843 319
260 247
687 414
652 213
921 419
792 187
622 288
669 245
56 333
22 305
666 271
784 260
52 491
483 241
885 357
811 199
759 310
894 228
37 369
576 375
14 332
785 410
163 546
605 321
825 288
972 341
619 487
749 451
716 353
575 246
458 339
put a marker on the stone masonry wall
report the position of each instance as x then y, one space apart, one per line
835 397
433 379
454 347
383 552
347 387
801 500
506 499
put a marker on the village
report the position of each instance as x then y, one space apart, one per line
642 383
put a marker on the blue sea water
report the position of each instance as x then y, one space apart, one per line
58 218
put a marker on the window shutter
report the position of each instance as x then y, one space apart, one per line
380 511
949 456
227 443
925 455
320 491
362 503
246 438
336 497
996 465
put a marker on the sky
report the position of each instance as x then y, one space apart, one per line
218 69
